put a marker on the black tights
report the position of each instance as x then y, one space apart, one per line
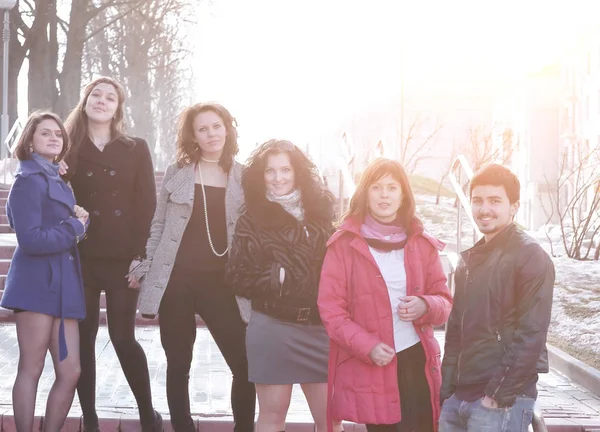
121 306
204 293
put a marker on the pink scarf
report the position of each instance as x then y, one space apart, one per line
383 236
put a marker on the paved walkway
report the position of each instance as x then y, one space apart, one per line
210 383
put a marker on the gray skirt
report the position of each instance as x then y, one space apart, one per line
280 352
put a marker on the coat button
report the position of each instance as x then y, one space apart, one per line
89 173
112 173
115 193
118 213
71 257
423 329
417 288
96 213
434 369
93 194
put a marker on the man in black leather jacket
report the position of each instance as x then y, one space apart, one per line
496 337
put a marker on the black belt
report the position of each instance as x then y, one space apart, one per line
283 312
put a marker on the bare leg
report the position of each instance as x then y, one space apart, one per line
33 335
67 374
316 396
273 405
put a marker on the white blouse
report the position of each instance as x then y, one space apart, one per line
391 265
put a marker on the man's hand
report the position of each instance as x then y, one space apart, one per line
488 402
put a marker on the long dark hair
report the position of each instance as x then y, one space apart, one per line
380 167
23 149
77 121
306 178
188 151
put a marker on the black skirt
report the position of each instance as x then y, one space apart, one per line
415 398
105 274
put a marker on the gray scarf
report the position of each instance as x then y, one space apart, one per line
291 203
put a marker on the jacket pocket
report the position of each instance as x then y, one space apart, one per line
54 274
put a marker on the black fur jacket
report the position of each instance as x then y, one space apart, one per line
267 238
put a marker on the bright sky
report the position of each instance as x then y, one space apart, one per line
292 69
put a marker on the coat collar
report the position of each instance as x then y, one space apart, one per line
483 247
90 152
352 226
57 189
181 186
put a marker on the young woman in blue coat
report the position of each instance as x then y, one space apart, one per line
44 285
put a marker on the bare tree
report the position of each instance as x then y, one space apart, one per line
575 202
414 148
147 52
481 150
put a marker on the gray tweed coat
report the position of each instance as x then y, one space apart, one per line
173 211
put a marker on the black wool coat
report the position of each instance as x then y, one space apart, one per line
116 186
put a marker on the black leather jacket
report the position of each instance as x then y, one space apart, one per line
500 316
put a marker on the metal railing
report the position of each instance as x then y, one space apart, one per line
460 166
10 142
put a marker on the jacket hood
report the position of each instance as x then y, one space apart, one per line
352 226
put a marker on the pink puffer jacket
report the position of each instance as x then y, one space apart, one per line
355 309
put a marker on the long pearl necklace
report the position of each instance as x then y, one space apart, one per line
212 247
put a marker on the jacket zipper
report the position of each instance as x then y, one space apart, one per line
500 383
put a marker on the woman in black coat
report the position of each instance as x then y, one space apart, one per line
113 178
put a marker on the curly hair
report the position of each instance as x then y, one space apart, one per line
306 175
377 169
23 148
77 121
188 151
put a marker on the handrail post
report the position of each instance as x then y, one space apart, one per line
459 219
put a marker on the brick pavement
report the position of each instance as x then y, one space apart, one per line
561 401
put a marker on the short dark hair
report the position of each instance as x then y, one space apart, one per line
23 149
188 151
498 175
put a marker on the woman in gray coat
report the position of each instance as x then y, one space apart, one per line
199 203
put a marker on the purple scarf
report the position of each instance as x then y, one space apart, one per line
382 236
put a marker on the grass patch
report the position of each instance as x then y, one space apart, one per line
585 355
427 186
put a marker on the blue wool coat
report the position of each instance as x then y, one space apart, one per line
44 274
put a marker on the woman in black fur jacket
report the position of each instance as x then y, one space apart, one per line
275 261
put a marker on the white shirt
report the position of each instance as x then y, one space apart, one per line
391 265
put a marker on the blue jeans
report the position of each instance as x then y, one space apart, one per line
461 416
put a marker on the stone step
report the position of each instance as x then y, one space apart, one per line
4 193
3 218
6 252
4 265
7 316
5 228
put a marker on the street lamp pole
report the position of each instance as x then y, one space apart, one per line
6 6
